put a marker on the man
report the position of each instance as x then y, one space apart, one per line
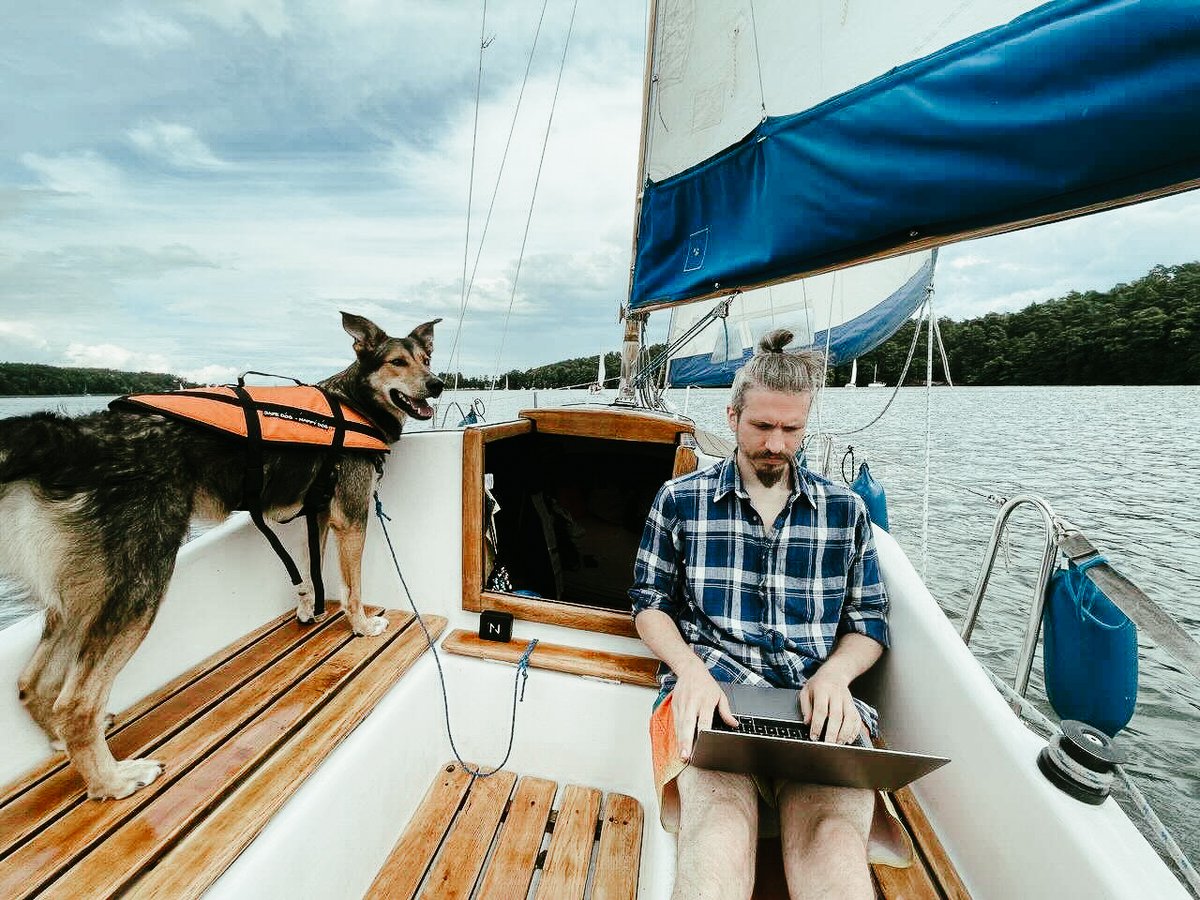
757 571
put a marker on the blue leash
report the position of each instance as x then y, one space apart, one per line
522 675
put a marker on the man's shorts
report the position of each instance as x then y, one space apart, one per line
889 842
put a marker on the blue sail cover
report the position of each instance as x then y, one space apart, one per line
1074 104
846 340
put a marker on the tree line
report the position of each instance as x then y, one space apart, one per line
30 379
1146 332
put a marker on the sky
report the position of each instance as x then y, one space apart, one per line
200 186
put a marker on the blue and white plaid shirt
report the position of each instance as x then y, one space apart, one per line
761 606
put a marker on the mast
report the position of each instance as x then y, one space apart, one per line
631 345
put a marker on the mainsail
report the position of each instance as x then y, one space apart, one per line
785 139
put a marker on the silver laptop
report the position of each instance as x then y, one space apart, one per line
773 740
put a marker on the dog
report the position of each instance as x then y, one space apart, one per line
94 509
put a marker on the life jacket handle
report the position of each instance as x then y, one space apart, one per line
242 378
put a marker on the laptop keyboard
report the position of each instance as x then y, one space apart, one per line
776 728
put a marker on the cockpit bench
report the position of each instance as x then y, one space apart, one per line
238 733
469 832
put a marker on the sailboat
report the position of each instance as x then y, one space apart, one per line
301 761
875 382
853 382
598 386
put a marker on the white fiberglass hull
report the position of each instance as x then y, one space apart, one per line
1010 833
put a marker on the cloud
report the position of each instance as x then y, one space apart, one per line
178 145
140 30
84 172
111 356
26 333
211 374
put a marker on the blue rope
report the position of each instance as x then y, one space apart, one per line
522 675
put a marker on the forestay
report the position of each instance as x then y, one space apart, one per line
785 139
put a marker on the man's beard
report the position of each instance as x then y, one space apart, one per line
768 468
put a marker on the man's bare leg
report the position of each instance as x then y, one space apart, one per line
824 832
718 834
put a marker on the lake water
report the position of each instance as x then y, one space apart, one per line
1121 463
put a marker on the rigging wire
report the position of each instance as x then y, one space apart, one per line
762 94
462 309
536 181
470 284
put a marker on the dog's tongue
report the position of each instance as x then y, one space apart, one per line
422 409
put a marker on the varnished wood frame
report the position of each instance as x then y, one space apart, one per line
608 424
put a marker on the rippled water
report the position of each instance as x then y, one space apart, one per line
1119 462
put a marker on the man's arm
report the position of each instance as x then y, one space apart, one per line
696 692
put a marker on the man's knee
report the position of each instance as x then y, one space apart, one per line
705 789
718 833
824 818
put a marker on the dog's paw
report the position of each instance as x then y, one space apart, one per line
306 604
58 745
131 774
107 722
371 626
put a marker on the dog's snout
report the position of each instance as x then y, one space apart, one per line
435 386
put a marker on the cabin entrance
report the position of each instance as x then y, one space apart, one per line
554 505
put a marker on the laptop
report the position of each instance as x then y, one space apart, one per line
772 740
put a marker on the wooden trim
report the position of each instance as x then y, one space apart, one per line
502 430
622 667
472 519
685 461
558 612
932 853
214 843
611 424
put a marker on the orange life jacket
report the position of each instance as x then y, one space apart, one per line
299 414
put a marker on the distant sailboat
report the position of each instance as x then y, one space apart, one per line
600 377
875 382
853 382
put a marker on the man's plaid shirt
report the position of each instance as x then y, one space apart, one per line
761 606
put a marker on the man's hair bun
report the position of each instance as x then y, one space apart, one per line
774 341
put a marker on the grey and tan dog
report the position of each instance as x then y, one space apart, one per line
94 509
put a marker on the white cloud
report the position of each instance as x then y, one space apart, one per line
86 173
179 145
110 356
141 30
211 374
23 332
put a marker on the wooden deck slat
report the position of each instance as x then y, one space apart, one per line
55 847
212 846
410 859
510 871
59 760
61 787
567 861
912 883
163 820
617 868
457 867
623 667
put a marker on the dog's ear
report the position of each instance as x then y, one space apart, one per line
423 335
367 335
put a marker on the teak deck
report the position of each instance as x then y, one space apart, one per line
238 734
481 832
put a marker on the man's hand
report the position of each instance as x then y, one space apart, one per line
826 703
696 695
